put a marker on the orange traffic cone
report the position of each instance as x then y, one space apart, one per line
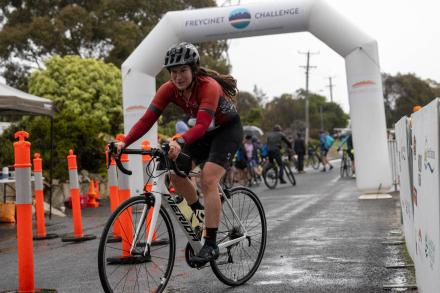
98 195
92 203
78 235
124 219
114 197
39 200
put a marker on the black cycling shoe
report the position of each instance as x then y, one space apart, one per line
283 181
206 254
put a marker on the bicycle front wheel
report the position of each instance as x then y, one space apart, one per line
239 262
289 174
124 267
270 176
315 162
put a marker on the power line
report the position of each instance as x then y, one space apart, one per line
307 68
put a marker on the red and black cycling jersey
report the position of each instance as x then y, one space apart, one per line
207 104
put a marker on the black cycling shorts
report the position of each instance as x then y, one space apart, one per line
217 146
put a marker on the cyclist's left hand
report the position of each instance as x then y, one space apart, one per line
174 151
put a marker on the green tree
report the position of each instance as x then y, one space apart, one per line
403 91
87 97
33 31
289 112
285 111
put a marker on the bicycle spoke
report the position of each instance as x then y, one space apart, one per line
240 261
135 272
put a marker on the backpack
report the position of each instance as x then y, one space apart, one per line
328 141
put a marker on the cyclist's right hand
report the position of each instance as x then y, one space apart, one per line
120 145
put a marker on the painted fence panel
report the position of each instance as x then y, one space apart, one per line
425 146
404 171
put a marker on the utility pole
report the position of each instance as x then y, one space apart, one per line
320 114
307 68
330 86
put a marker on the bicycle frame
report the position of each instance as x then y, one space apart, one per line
162 196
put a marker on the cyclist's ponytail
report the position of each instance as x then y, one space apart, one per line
227 82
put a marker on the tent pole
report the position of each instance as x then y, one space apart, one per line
51 167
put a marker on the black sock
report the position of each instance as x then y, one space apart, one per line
197 206
211 236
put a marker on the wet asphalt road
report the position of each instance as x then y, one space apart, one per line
321 238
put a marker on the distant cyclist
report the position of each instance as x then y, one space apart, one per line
274 145
348 140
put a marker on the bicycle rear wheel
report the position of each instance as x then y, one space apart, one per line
123 271
289 174
349 168
315 162
228 179
343 166
270 176
239 262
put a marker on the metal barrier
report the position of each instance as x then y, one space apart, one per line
394 158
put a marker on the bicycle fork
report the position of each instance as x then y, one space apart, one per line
238 239
158 187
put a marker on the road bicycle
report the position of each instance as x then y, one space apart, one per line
270 173
143 261
346 165
252 177
313 158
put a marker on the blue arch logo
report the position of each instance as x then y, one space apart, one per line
240 18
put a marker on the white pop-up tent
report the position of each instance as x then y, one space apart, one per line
265 18
18 103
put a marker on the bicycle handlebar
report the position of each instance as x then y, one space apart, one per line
153 152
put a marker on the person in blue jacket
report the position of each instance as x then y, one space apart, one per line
324 146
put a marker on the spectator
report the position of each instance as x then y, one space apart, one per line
181 127
251 150
299 147
241 165
325 142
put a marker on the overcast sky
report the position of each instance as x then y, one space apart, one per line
408 35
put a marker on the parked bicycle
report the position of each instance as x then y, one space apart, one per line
313 158
271 173
346 166
143 261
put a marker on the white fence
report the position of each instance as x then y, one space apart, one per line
418 169
392 150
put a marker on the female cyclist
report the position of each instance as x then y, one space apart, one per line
208 97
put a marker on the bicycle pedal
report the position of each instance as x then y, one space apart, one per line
202 267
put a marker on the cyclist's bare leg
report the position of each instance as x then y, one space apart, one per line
210 178
185 187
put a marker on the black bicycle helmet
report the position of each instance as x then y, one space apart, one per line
181 54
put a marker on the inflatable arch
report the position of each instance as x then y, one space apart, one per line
265 18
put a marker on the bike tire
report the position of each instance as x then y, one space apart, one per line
239 262
270 176
349 168
228 180
343 167
111 265
289 174
315 162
